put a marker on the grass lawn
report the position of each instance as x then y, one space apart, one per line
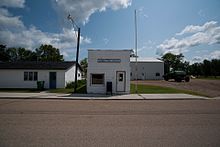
142 89
81 89
149 89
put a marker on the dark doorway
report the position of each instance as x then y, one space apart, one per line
53 80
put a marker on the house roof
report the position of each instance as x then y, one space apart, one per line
38 65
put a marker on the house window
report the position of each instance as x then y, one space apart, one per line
30 76
35 76
97 78
25 76
78 74
157 74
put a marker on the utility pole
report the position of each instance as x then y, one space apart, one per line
136 55
77 50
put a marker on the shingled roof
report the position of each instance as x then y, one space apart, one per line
38 65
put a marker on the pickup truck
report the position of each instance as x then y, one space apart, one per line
177 75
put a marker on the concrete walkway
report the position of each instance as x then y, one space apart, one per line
44 95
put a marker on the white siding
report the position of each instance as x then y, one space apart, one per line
147 70
108 69
15 78
70 75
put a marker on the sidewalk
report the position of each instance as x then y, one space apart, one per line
44 95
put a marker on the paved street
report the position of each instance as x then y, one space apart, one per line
80 123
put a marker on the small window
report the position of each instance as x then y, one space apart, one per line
25 76
78 74
97 78
35 76
131 74
30 76
142 74
157 74
120 77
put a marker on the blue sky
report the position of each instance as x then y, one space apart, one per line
191 27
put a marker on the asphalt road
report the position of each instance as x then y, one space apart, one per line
94 123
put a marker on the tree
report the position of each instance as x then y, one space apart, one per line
48 53
13 54
215 67
174 62
4 57
84 65
206 68
195 69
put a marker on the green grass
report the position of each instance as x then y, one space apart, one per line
149 89
142 89
61 90
81 89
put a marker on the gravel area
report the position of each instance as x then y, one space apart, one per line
209 88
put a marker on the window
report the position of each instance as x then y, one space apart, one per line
131 74
120 77
157 74
97 78
25 76
30 76
78 74
35 76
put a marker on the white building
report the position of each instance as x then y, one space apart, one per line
147 69
26 74
106 66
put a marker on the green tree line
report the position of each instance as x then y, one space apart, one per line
43 53
205 68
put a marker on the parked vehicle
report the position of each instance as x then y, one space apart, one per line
177 75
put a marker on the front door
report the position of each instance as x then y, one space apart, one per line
53 80
120 81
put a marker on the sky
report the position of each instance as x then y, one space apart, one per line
190 27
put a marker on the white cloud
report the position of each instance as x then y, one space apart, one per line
83 9
33 37
215 54
193 29
12 3
7 21
209 34
209 56
14 33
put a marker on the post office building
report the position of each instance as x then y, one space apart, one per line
108 71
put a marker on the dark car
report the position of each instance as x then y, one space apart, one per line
177 75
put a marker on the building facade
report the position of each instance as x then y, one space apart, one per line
147 69
26 74
108 66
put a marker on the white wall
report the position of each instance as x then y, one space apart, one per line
70 75
15 78
147 70
108 69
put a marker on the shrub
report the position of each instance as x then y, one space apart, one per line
80 83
